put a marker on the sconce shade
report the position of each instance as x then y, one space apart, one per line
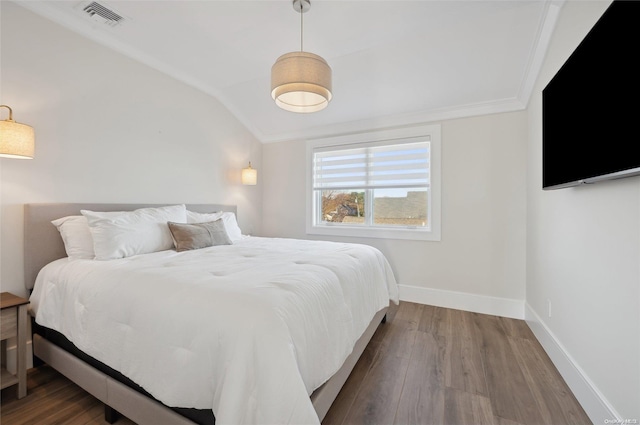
16 140
301 82
249 176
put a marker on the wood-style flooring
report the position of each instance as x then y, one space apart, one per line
432 365
425 365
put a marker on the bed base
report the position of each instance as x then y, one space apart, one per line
120 398
324 396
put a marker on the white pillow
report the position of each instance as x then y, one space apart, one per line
78 242
125 233
228 218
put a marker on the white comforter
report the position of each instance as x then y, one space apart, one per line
249 330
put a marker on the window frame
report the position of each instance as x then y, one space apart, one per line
393 136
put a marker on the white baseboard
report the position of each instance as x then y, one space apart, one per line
496 306
593 402
12 353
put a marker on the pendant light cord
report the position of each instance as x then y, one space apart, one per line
301 26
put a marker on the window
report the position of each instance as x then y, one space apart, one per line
380 187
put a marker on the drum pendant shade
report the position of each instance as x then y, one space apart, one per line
301 81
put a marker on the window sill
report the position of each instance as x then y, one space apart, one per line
375 232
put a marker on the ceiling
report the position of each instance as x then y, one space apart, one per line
394 63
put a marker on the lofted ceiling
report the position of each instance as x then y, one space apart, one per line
394 62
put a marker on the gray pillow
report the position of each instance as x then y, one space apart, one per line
198 235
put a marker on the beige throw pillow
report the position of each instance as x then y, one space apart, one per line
198 235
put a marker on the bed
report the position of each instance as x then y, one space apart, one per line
224 334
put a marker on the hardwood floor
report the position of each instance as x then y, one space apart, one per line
52 399
431 365
426 365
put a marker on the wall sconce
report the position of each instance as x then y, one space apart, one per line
16 140
249 175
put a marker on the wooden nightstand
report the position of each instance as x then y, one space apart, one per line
13 323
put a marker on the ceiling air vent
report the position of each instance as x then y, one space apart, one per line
102 14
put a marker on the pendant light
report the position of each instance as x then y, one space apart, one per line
301 81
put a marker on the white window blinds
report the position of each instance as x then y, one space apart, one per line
401 165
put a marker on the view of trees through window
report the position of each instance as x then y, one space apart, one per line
340 204
391 207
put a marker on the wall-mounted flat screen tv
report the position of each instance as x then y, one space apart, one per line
591 107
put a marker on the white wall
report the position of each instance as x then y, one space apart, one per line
480 263
583 255
109 129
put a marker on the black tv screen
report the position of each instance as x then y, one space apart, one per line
591 107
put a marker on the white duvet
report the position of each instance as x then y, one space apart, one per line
248 330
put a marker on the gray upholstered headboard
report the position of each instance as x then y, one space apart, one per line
42 241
